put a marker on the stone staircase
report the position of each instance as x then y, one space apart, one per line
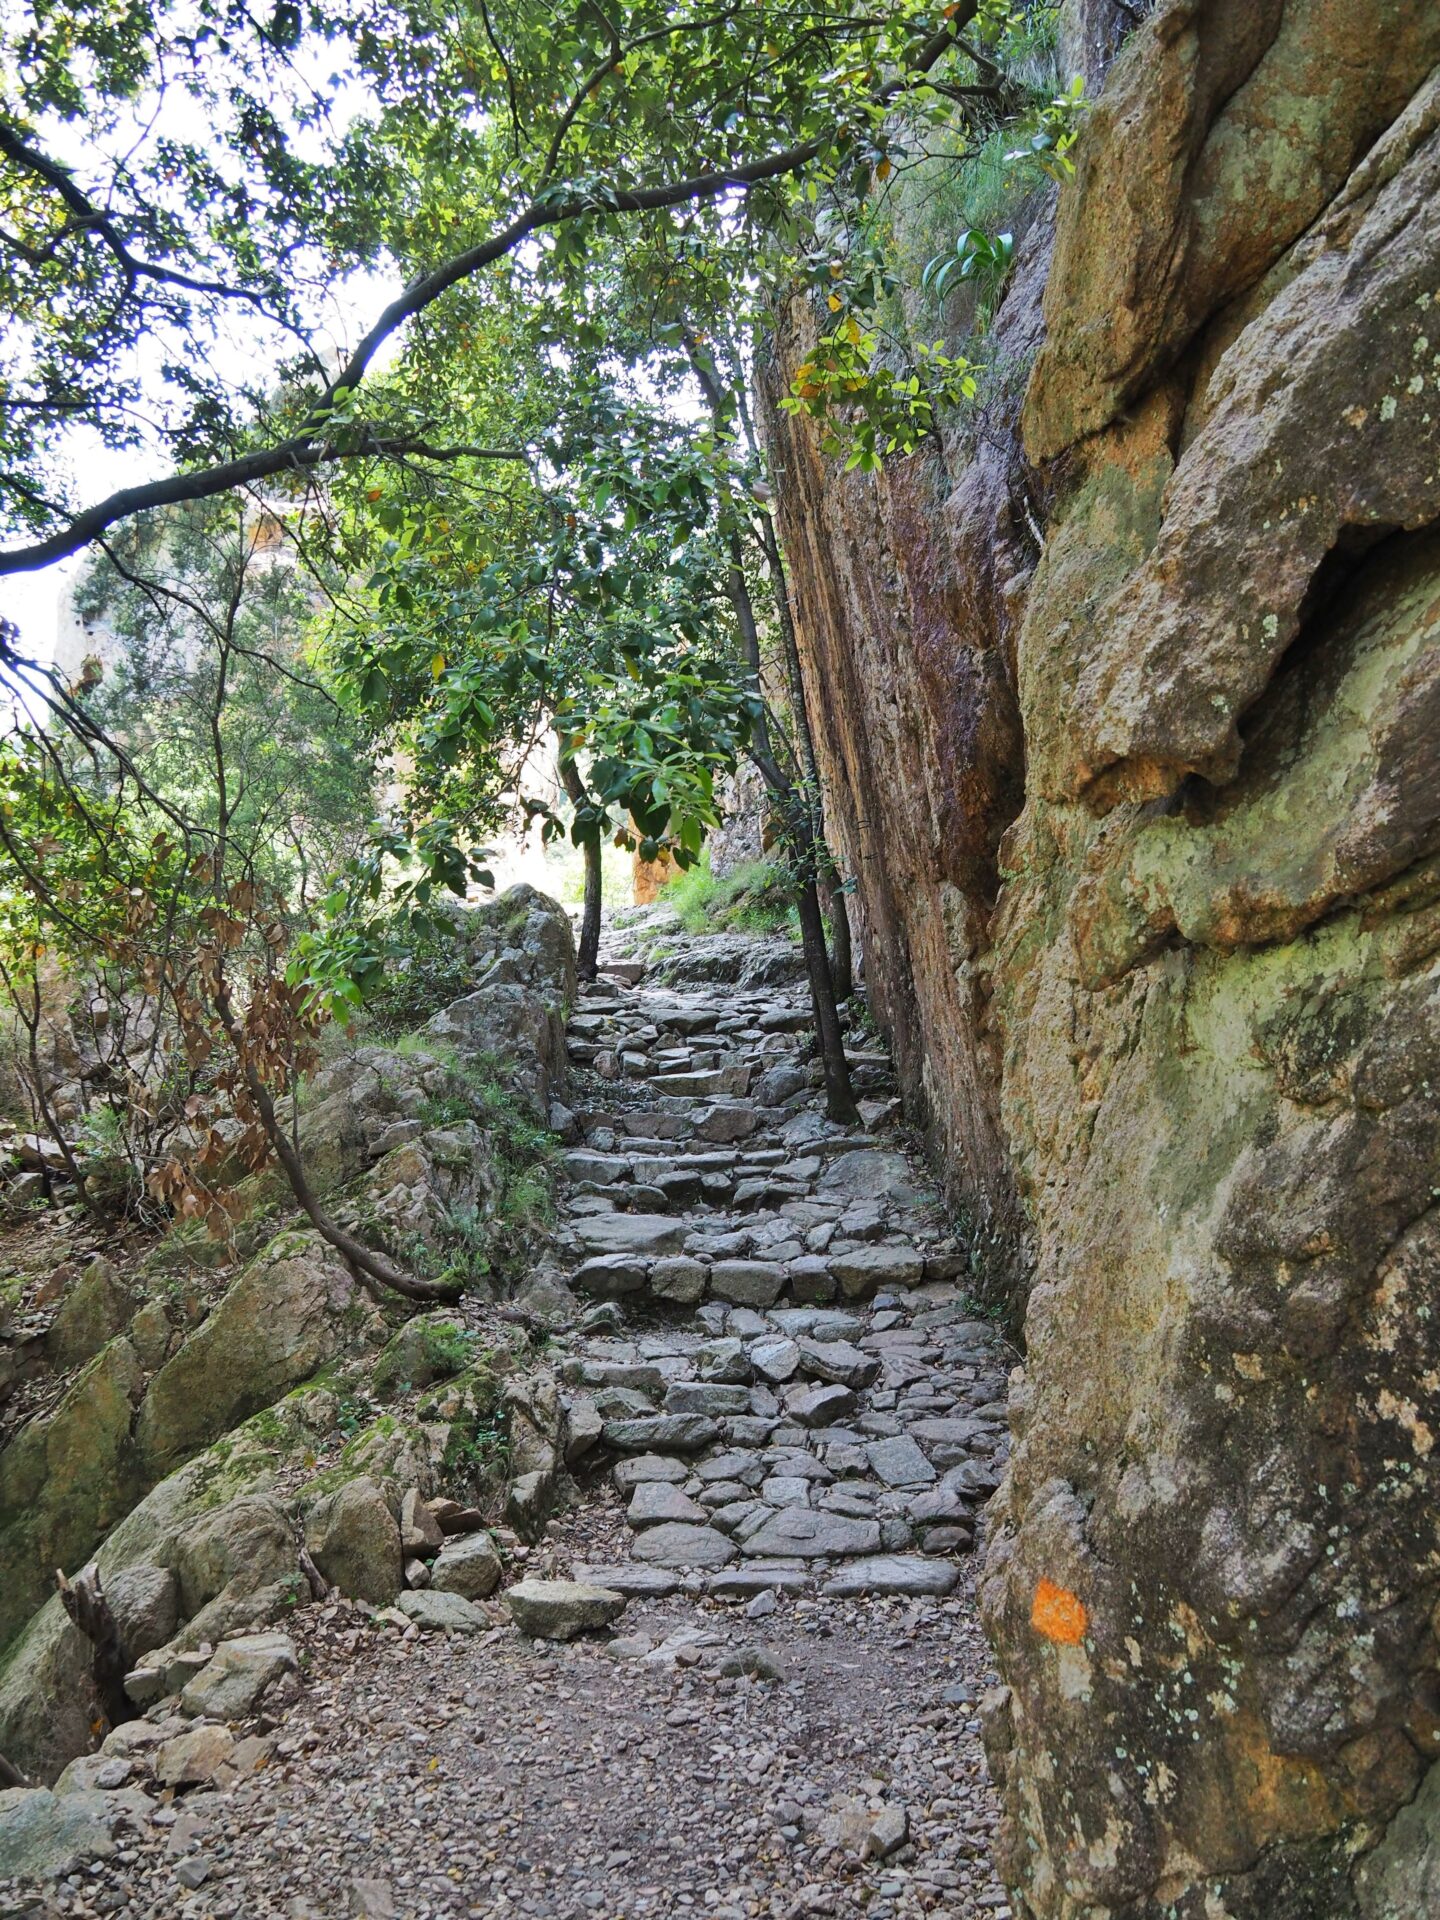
781 1371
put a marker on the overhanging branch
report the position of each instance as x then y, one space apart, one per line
314 443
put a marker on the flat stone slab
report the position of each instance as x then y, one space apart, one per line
677 1278
678 1545
819 1406
610 1276
636 1583
708 1397
800 1532
724 1124
603 1168
759 1576
725 1080
654 1502
899 1462
948 1433
561 1609
635 1233
785 1490
731 1465
891 1573
818 1323
775 1359
837 1362
747 1283
662 1432
864 1270
437 1612
868 1173
629 1474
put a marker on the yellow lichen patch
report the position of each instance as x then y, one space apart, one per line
1059 1614
1406 1414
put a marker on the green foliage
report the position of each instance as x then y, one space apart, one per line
224 184
421 1353
754 897
869 409
977 256
431 969
876 388
477 1446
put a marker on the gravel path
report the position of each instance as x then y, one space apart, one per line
784 1416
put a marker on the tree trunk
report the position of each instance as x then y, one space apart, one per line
589 955
842 967
839 1097
370 1268
800 806
842 964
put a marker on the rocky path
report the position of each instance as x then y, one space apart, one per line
782 1415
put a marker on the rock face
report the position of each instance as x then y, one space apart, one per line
158 1449
1138 697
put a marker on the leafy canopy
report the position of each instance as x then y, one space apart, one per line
186 183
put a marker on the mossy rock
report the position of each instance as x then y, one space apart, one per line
426 1349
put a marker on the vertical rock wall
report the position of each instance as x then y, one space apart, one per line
1146 816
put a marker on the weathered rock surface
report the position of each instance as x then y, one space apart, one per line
354 1539
560 1609
234 1683
160 1446
1130 712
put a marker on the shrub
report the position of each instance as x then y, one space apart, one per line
752 898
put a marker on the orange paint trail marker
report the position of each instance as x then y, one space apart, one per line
1059 1614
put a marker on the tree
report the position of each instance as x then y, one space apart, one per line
507 168
466 144
589 608
156 870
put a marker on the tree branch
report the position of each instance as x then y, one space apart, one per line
550 208
89 219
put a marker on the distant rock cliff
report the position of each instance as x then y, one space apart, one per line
1130 708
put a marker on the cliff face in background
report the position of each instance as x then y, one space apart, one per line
1130 708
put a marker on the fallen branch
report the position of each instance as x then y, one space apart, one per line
12 1776
320 1587
84 1600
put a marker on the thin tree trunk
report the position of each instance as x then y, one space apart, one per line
589 954
842 967
842 962
801 808
372 1269
39 1102
839 1096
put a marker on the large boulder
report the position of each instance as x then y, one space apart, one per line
208 1546
66 1478
354 1539
45 1836
517 1032
469 1566
95 1309
236 1680
248 1544
561 1609
290 1311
